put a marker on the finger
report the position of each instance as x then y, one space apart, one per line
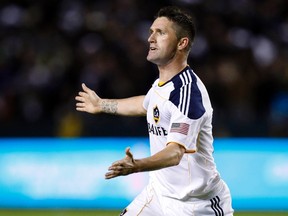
116 164
117 169
80 104
78 98
110 175
81 109
128 152
83 94
85 88
113 171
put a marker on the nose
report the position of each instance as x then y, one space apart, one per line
151 38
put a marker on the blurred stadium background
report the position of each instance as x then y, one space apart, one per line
48 48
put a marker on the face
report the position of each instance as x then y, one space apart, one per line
163 42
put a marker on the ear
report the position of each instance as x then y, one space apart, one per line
183 43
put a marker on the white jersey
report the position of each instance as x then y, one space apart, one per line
180 111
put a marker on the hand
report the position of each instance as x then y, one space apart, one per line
88 101
122 167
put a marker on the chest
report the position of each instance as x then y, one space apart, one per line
159 112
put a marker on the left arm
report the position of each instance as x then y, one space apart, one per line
169 156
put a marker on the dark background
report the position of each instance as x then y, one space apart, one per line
48 48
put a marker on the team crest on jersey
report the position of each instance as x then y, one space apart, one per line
156 114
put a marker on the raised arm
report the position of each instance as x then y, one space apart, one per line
89 101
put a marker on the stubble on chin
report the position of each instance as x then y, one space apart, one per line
151 57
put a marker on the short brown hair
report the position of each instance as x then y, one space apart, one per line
183 20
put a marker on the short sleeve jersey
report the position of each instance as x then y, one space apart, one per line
180 111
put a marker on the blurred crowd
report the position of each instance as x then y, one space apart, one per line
48 48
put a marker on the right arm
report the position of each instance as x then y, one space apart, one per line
89 101
167 157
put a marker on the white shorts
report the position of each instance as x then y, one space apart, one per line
149 203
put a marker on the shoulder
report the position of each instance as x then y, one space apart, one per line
187 95
185 77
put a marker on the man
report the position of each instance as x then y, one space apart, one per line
183 176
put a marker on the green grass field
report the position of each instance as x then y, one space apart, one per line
21 212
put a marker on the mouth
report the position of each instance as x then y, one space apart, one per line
152 48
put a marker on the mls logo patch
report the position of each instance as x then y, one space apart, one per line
156 114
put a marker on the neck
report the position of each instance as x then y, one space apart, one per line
167 72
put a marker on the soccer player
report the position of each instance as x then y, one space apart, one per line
183 176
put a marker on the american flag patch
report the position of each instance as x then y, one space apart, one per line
182 128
